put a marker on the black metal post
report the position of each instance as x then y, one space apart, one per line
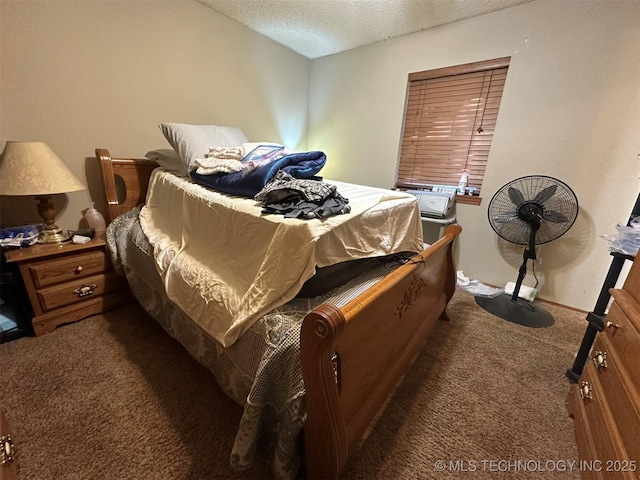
596 317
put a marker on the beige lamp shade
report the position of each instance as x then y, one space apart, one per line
31 168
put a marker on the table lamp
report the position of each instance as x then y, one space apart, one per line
31 168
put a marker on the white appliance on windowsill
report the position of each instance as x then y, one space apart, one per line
435 204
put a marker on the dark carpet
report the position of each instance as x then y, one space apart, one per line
114 397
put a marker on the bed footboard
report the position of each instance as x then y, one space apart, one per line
353 357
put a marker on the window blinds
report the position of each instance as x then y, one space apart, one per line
449 123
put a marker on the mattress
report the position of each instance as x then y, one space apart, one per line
226 264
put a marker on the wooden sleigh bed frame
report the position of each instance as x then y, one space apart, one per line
352 357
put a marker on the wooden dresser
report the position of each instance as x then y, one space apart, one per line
605 402
67 282
8 459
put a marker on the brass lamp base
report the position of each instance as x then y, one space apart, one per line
51 233
53 236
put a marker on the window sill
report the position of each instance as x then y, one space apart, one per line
468 199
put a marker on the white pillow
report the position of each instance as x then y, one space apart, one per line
193 141
168 159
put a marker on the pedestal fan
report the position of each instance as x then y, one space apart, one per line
529 211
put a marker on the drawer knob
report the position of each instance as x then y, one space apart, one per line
585 390
79 269
612 325
85 290
8 449
600 359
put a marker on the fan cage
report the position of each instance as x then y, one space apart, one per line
503 212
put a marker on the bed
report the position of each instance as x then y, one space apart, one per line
313 373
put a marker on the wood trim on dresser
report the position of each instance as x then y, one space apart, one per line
9 465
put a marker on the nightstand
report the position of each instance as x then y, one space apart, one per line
67 282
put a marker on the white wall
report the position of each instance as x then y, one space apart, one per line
571 110
81 75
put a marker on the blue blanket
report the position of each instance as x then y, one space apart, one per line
298 165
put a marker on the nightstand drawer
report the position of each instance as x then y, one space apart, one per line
67 268
78 291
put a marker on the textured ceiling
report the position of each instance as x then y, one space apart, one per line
315 28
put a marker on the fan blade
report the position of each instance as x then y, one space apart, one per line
555 217
545 194
516 196
505 217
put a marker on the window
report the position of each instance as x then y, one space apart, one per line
449 121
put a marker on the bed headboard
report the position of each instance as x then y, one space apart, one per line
133 173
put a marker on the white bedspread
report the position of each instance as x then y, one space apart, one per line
225 264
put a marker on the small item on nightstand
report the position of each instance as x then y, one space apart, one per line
23 236
80 239
95 220
85 232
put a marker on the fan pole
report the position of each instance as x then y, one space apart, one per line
529 253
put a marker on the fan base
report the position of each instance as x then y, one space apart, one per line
521 311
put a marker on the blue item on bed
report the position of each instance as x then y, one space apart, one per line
248 184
